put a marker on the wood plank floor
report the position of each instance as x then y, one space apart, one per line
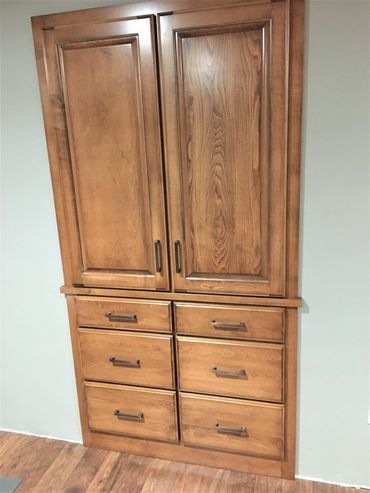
48 466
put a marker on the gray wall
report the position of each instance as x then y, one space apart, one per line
38 392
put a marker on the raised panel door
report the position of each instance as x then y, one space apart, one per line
224 101
108 86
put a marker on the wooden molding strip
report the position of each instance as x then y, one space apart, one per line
190 297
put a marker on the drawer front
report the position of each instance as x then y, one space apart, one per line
127 357
124 314
132 411
265 324
233 425
233 368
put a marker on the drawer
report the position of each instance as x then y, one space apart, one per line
132 411
124 314
265 324
127 357
232 425
236 368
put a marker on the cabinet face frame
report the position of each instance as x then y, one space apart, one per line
265 188
69 156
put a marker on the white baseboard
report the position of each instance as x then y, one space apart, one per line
319 480
306 478
41 436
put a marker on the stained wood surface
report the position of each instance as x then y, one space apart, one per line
102 124
51 466
262 87
226 146
215 422
262 364
105 130
149 315
157 407
222 75
189 297
266 324
152 352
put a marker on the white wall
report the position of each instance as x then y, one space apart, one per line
38 391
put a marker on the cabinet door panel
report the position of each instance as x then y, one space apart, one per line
223 77
108 81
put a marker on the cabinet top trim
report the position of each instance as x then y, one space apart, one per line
132 10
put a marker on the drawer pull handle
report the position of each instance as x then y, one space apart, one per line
120 318
125 362
223 326
158 256
139 417
242 431
177 256
230 374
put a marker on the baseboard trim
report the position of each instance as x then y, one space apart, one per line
41 436
298 476
319 480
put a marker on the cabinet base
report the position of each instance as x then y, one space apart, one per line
182 453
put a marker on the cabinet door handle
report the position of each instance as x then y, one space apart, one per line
158 256
230 374
125 362
129 417
178 256
241 431
120 318
224 326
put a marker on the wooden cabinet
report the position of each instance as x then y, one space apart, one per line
173 132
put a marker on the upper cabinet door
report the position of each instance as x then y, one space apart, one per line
224 93
107 81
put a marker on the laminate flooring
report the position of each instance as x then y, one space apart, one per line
53 466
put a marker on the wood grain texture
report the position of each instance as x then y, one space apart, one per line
149 315
187 297
170 451
73 325
239 123
157 407
296 47
106 156
290 385
226 146
263 424
220 78
265 324
115 472
105 126
153 352
262 364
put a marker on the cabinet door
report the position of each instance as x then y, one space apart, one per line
108 84
224 83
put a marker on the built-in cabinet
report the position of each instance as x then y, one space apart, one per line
173 131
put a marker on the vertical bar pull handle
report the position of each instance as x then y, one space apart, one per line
178 256
158 256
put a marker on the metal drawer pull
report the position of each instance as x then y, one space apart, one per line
177 256
223 326
242 431
229 374
158 256
121 318
125 362
129 417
